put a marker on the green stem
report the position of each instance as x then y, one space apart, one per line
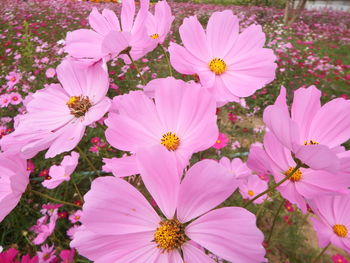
274 186
87 160
274 221
167 59
322 252
53 199
137 69
77 189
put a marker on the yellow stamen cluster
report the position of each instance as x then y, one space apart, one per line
340 230
297 175
154 36
170 141
78 105
311 142
250 192
169 235
217 65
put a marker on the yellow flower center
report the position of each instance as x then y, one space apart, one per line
297 175
78 105
217 65
154 36
250 193
170 141
170 235
311 142
340 230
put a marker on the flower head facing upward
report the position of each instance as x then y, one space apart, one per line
228 63
57 116
143 236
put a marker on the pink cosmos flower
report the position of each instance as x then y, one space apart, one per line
230 64
180 118
332 224
60 173
50 73
14 178
237 168
159 24
75 217
47 254
9 255
57 116
67 255
15 98
28 259
305 183
4 100
13 78
221 141
109 37
313 133
252 186
44 229
337 258
132 231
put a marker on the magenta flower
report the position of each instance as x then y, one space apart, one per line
9 255
67 255
15 98
182 119
57 116
337 258
130 230
305 183
159 24
313 133
60 173
230 64
332 224
47 254
14 179
221 141
75 217
252 186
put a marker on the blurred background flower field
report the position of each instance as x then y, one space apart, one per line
314 50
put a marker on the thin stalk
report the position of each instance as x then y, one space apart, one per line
143 81
53 199
321 254
77 189
87 160
274 221
274 186
167 59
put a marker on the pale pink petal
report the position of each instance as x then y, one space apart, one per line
127 14
114 207
306 104
182 60
159 173
97 111
120 167
193 254
222 32
98 22
230 233
258 161
115 42
194 38
331 124
206 185
111 18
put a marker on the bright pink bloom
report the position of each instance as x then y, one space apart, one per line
337 258
75 217
313 133
4 100
57 117
332 224
14 179
130 230
60 173
306 183
221 141
28 259
182 119
50 73
230 64
67 255
47 254
15 98
252 186
8 256
30 166
159 24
